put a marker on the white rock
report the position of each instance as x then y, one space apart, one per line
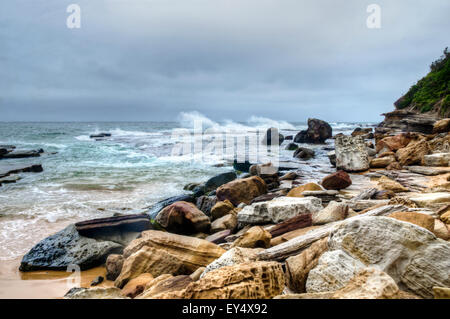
278 210
425 199
437 159
414 257
351 154
333 212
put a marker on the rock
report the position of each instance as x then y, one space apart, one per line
22 154
384 194
251 280
382 162
446 218
289 176
221 209
442 126
299 266
333 271
427 199
318 295
332 157
113 266
205 204
272 137
219 180
359 131
154 210
137 285
219 237
278 210
297 222
242 167
242 190
94 293
223 223
391 185
439 159
394 143
66 248
369 283
197 274
9 179
441 293
15 169
333 212
418 219
351 154
337 181
255 237
411 255
190 186
318 131
395 166
100 135
407 121
441 230
297 191
440 143
159 253
304 153
291 147
165 284
97 281
428 171
291 235
324 196
413 153
236 255
183 217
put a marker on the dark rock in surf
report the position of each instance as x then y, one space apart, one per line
217 181
304 153
67 248
318 131
22 154
242 167
291 147
100 135
273 137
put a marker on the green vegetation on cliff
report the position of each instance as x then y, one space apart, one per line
431 93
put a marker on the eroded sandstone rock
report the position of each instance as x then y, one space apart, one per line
255 237
236 255
418 219
242 190
337 181
391 185
184 218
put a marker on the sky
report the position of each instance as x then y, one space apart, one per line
149 60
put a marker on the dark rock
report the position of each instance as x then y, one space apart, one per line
9 179
6 170
3 151
297 222
113 265
291 147
156 208
318 131
22 154
273 137
205 203
362 131
183 218
97 281
68 247
304 153
216 181
266 197
190 186
100 135
242 167
289 138
407 121
332 157
219 237
337 181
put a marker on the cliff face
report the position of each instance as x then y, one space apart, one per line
426 101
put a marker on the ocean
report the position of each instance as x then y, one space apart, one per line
84 178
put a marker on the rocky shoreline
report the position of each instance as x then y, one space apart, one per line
379 227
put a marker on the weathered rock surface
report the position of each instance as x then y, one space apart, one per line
411 255
297 191
226 222
318 131
428 171
393 143
441 293
438 159
428 199
304 153
136 285
235 255
278 210
382 162
300 221
94 293
165 284
221 209
253 280
255 237
337 181
114 264
442 126
419 219
351 154
219 237
413 153
66 248
299 266
391 185
184 218
242 190
441 230
333 212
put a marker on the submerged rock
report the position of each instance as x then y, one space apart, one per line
68 247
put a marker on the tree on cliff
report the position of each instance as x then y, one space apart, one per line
432 92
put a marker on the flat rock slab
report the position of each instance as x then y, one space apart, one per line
8 169
428 171
21 154
66 248
426 199
9 179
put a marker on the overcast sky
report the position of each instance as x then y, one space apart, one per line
149 60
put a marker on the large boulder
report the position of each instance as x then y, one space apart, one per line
337 181
413 153
183 217
250 280
158 252
242 190
278 210
68 247
351 154
411 255
273 137
318 131
393 143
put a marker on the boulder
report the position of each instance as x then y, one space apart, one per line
413 153
289 176
332 158
429 199
359 131
333 212
242 190
391 185
297 222
441 230
351 154
218 180
68 247
223 223
221 209
235 255
94 293
165 284
318 131
219 237
272 137
445 217
441 292
304 153
442 126
278 210
136 285
394 166
113 265
382 162
206 203
251 280
369 283
159 253
255 237
154 210
411 255
184 218
419 219
393 143
299 266
337 181
438 159
291 147
297 191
